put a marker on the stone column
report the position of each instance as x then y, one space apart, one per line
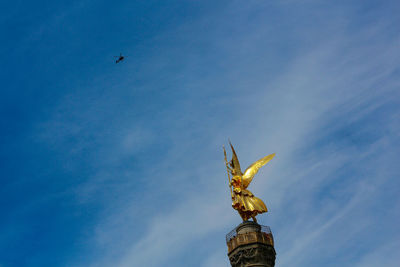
251 244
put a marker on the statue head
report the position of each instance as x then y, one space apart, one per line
236 180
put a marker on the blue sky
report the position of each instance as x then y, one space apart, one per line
106 164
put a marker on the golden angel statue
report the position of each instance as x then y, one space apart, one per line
243 200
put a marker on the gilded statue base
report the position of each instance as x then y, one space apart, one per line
251 244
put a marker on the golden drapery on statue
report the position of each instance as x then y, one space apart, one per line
243 200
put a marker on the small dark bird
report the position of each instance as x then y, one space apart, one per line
120 58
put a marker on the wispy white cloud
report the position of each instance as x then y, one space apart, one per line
385 255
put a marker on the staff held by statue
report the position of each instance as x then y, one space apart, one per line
227 170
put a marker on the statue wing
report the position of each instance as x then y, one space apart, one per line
235 161
253 169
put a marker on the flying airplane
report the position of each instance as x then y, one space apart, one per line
120 58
